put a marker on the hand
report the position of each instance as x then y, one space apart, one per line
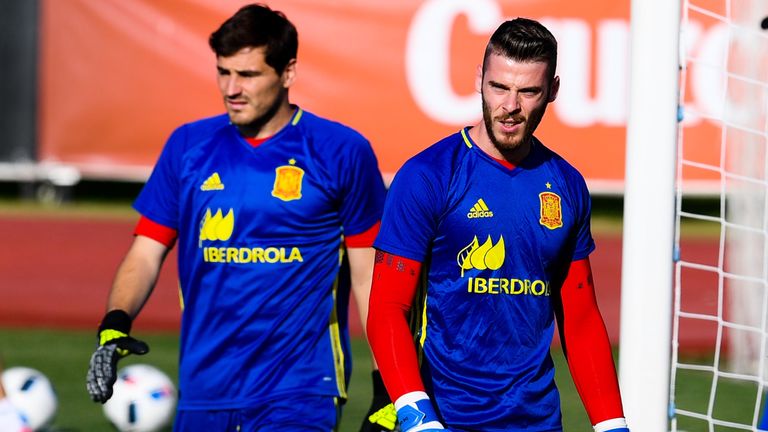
381 416
416 414
114 344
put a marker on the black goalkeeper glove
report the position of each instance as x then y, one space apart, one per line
381 417
114 344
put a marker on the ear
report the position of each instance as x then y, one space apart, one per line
553 89
479 79
289 74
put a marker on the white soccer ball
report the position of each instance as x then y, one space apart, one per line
144 399
32 394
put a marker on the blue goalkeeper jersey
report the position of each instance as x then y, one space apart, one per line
496 244
260 255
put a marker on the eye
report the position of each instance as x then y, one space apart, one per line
530 92
498 88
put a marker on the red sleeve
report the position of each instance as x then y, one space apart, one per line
587 347
364 239
149 228
395 280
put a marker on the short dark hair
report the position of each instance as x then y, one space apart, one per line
524 40
256 25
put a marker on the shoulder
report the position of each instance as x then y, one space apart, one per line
557 162
432 170
206 125
570 179
441 157
324 131
198 132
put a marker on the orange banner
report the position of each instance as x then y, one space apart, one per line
117 76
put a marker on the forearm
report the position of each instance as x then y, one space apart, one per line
394 285
587 346
397 361
590 361
361 273
136 276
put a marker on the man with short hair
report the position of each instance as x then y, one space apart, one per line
274 210
500 225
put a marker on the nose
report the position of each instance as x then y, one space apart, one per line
231 86
511 103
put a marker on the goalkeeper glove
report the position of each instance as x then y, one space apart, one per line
114 344
416 414
612 425
381 417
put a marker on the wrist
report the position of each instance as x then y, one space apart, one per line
618 424
116 319
115 324
416 413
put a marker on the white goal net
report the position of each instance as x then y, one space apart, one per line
719 365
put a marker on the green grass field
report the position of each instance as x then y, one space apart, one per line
63 357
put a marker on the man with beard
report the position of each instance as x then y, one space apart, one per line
500 226
262 201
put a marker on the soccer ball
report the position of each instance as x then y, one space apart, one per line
32 394
144 399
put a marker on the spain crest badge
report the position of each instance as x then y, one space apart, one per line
551 210
288 180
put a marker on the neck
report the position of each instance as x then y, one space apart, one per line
270 123
514 156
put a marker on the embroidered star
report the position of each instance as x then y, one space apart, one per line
549 185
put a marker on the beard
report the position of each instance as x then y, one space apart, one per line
507 143
250 127
502 142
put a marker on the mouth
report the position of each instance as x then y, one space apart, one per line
510 125
235 104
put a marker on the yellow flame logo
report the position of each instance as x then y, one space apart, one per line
482 256
217 226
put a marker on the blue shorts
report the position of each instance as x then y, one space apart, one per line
299 413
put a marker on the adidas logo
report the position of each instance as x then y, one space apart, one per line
212 183
479 210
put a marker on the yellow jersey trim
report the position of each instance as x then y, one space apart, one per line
467 142
333 330
297 116
423 323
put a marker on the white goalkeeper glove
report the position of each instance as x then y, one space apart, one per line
612 425
416 414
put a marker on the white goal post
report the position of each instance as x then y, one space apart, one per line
646 300
694 314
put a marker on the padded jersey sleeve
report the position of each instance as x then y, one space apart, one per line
587 347
395 280
412 211
362 188
159 198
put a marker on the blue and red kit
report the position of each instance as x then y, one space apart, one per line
260 253
496 245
